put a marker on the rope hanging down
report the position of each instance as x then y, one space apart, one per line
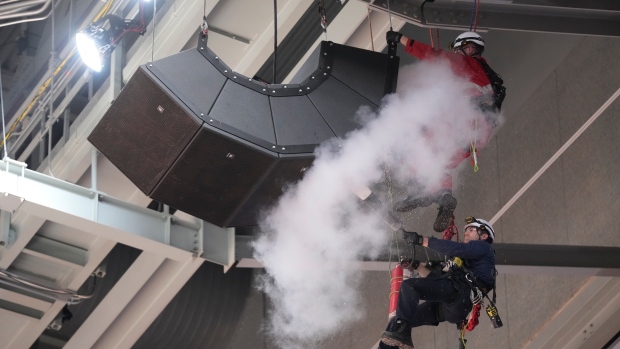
474 17
430 32
372 41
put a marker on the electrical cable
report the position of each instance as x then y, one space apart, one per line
65 295
136 29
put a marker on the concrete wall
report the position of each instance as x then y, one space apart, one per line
575 202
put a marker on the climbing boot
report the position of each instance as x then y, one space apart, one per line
399 336
447 204
412 202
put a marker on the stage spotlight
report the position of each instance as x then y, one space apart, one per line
93 45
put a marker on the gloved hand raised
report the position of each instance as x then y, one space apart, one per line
413 238
393 37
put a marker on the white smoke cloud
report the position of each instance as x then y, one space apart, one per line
319 225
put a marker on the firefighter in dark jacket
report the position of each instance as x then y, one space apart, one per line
448 296
488 92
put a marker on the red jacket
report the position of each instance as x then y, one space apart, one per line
462 65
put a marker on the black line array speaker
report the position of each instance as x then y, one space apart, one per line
193 134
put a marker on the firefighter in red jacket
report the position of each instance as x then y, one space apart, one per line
487 90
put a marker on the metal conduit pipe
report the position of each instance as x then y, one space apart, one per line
17 10
46 4
19 5
25 20
9 2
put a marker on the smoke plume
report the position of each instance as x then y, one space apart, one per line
318 225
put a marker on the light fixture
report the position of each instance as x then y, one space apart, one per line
95 43
94 46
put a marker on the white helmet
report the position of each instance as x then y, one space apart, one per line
468 37
481 224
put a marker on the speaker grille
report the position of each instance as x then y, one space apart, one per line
144 131
214 175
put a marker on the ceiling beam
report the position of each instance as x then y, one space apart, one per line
147 304
261 48
505 15
97 252
339 30
510 259
132 281
96 213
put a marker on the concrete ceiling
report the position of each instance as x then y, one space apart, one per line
141 277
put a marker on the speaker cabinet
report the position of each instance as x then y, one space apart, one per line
193 134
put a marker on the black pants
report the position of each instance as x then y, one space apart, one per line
446 300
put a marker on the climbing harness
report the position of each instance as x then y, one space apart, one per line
459 270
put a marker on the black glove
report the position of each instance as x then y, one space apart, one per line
413 238
393 37
500 94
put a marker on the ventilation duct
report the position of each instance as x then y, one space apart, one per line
193 134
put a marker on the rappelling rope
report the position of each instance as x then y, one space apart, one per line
430 33
390 192
463 337
474 150
372 42
474 17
